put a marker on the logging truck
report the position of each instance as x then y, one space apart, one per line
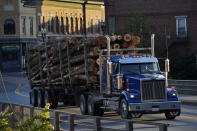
129 80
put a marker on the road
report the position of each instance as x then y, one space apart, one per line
18 92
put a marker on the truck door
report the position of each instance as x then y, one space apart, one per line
114 83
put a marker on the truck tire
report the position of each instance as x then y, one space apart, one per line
49 97
90 105
30 98
169 116
83 104
124 109
34 98
98 110
41 102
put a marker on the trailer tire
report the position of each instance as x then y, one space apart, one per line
83 104
41 100
34 98
124 109
54 99
51 98
90 105
30 98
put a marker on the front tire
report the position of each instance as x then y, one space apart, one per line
34 98
83 104
124 109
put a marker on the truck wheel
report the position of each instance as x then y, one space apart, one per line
46 97
124 109
41 102
90 105
83 104
34 98
49 97
30 98
98 110
54 99
169 115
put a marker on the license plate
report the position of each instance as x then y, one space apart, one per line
155 109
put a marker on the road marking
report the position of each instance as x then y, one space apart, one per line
17 91
188 117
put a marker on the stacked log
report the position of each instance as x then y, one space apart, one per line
63 62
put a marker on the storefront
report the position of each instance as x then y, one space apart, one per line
12 55
10 58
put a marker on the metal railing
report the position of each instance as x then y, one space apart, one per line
67 121
184 86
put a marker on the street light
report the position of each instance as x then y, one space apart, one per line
84 16
43 32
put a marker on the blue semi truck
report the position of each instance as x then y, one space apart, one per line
131 85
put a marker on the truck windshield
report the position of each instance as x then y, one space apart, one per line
139 68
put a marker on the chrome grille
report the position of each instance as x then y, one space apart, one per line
153 90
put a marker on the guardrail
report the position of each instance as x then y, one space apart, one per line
73 122
184 86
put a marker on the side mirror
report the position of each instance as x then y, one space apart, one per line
167 65
109 67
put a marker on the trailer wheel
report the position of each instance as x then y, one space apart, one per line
34 98
46 97
124 109
90 105
98 110
83 104
30 98
41 101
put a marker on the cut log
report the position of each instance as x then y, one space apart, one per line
127 37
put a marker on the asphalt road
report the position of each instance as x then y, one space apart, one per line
18 89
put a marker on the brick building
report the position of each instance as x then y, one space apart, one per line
17 27
63 17
21 22
176 18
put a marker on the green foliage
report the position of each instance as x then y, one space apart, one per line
140 27
4 126
37 123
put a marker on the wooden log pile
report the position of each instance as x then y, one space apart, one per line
63 62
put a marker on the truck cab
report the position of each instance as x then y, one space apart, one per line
141 87
131 84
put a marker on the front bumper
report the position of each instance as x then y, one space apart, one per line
154 106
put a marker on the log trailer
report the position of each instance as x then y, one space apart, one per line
131 84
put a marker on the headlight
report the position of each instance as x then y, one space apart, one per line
172 94
134 96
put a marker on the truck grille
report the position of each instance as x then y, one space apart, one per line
153 90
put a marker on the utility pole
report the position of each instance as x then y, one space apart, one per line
84 16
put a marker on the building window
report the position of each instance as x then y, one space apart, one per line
24 25
31 25
71 21
81 25
57 25
52 24
181 26
67 25
92 26
76 25
62 25
43 22
9 27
